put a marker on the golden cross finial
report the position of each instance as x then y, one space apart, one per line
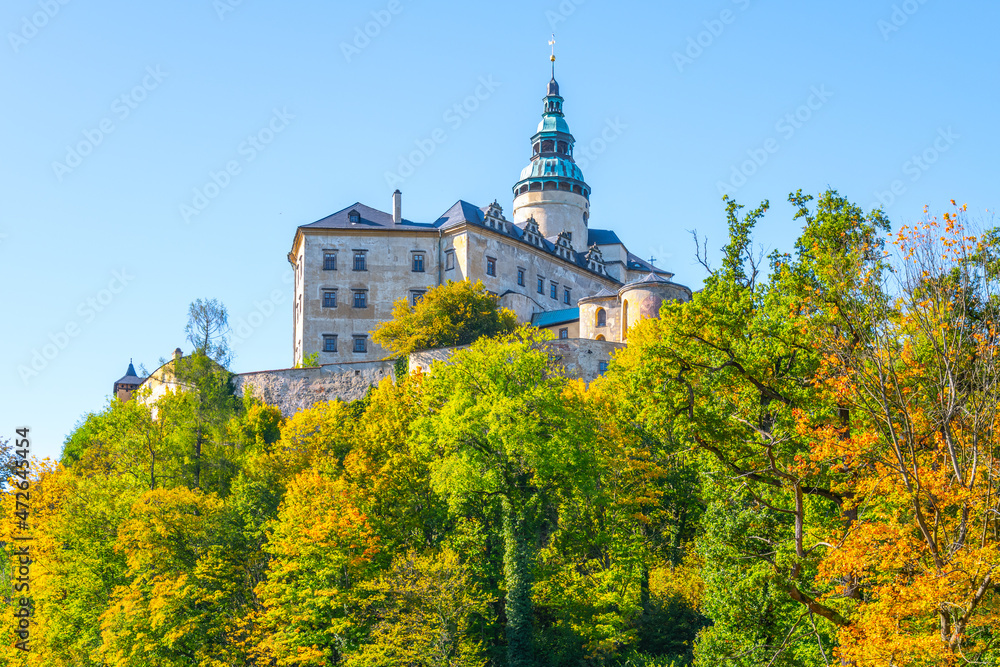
552 43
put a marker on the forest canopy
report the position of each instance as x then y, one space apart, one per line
798 467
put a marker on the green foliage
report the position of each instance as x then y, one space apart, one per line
505 430
309 361
678 511
208 330
456 313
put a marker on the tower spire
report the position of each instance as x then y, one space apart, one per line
552 43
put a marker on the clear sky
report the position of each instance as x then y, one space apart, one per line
120 120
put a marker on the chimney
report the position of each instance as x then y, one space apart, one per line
397 207
178 354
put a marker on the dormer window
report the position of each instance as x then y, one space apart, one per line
354 217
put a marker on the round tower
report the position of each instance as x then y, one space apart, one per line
642 298
551 189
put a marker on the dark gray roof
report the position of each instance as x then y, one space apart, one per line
604 293
649 278
637 263
371 218
602 237
461 211
130 376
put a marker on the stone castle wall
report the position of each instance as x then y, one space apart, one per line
294 389
580 358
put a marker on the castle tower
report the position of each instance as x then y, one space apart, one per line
551 189
127 385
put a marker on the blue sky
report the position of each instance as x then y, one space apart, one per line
259 117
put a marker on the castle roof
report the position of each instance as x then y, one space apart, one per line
552 166
636 263
604 293
369 218
551 318
650 278
461 211
602 237
130 376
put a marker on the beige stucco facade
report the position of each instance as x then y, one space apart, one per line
555 211
351 267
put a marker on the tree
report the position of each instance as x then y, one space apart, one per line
503 430
208 331
456 313
197 415
424 608
187 591
322 548
914 363
729 375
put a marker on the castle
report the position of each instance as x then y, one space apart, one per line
546 264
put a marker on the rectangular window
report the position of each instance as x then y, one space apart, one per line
360 261
329 298
361 343
329 343
415 297
361 299
564 333
541 285
602 366
418 262
329 261
449 260
566 296
491 266
520 277
553 290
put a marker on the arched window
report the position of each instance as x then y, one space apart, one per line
562 147
549 185
537 147
600 337
602 317
624 320
548 146
536 186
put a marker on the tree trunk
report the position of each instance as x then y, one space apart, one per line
517 576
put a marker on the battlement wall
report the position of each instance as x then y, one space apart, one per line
581 358
294 389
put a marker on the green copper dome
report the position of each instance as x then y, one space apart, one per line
553 124
552 164
552 167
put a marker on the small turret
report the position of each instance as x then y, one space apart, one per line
126 386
